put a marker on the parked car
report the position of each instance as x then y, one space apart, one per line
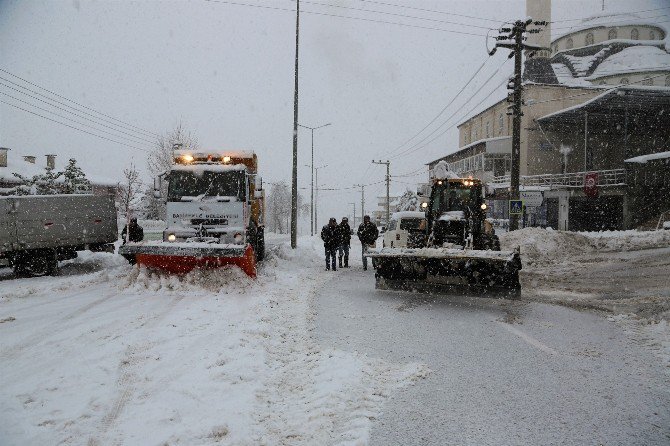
403 228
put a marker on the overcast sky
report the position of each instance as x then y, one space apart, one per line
226 71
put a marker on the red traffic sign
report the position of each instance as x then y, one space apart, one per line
591 184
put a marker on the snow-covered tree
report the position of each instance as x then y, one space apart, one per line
75 181
129 192
160 159
41 184
409 201
278 207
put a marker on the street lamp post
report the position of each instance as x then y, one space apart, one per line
311 205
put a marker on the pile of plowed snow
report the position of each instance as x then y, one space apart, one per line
546 246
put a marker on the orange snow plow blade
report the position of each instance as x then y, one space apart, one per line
182 258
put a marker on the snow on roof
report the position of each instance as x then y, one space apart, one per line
611 21
582 64
408 214
564 76
230 153
16 164
208 167
633 60
642 159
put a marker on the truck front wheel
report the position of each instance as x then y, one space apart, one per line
36 263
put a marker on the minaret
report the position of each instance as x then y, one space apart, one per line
538 67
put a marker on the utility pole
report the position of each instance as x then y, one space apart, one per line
354 220
362 186
294 183
311 206
514 41
388 181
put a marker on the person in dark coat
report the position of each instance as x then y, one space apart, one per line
345 242
135 232
330 234
367 234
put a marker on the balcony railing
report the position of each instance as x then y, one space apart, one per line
612 177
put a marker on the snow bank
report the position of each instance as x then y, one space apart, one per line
547 246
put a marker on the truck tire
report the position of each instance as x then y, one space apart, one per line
36 263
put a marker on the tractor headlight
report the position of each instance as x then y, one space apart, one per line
171 237
424 205
484 206
238 238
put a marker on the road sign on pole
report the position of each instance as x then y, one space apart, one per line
516 207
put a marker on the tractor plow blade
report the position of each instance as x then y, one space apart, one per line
444 268
180 258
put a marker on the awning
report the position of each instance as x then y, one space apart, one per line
642 159
614 104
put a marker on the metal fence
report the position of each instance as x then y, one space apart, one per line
612 177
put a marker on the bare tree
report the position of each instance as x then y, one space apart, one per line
161 159
129 193
278 207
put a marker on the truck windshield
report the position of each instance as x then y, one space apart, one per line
454 197
206 184
410 224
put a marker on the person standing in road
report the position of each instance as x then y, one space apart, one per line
134 231
367 234
330 234
345 242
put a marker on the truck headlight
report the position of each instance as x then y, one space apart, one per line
172 238
238 238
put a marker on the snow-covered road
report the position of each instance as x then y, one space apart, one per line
107 354
503 372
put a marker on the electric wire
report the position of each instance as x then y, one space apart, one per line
71 112
150 133
445 107
73 127
395 14
70 119
276 8
410 149
432 11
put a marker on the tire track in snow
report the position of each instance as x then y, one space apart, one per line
55 327
126 382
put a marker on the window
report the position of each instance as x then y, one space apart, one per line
476 135
634 34
488 128
589 39
652 35
667 80
625 81
647 81
601 83
500 124
612 34
568 43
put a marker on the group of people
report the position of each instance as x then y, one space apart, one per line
337 241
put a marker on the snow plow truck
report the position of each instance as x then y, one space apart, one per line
215 215
457 245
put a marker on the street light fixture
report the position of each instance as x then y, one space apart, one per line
311 206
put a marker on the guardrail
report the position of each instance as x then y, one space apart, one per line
612 177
